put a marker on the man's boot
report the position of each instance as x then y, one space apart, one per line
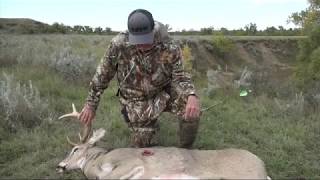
188 132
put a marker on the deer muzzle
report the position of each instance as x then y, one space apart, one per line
61 168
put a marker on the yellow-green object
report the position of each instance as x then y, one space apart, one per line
243 93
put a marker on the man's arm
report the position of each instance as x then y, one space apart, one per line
104 73
181 79
182 82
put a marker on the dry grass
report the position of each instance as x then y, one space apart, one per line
21 105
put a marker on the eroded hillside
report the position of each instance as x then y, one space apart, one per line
263 61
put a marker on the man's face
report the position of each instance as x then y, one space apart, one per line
144 47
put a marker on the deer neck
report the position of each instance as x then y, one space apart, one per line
91 155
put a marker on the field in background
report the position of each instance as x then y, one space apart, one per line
237 38
41 75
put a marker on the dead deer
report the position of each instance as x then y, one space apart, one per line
160 162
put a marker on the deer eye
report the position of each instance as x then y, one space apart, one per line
75 150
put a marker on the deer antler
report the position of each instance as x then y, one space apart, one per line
86 130
74 113
72 143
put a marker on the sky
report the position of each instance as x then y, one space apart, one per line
179 14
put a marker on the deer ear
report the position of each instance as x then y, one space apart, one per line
96 136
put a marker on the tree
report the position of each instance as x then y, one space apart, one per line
308 17
207 31
281 30
107 30
58 28
224 31
251 28
271 31
78 29
308 67
88 29
69 29
240 32
98 30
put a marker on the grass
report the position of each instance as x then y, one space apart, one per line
286 141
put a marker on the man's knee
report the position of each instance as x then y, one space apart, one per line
143 137
142 130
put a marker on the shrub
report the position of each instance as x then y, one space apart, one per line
314 66
75 57
73 66
308 67
187 58
20 104
222 44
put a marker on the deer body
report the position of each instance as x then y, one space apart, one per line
159 162
170 162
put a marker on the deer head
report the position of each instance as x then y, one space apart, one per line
86 130
77 158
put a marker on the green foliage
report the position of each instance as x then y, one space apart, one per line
98 30
251 29
222 44
307 69
187 58
308 72
206 31
314 66
248 30
307 18
58 28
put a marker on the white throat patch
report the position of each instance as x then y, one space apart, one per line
81 162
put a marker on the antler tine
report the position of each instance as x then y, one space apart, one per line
80 137
74 110
72 143
74 113
86 129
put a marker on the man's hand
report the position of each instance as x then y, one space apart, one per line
87 114
192 108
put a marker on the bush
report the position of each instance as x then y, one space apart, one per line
71 65
75 57
222 44
308 67
20 105
187 58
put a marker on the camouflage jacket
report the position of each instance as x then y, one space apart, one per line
141 75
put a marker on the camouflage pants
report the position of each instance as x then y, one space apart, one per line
141 117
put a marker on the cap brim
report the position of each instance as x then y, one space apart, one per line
141 39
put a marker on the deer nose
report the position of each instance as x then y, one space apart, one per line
61 167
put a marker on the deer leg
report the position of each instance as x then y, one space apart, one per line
135 173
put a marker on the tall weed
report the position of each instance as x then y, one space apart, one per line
21 104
